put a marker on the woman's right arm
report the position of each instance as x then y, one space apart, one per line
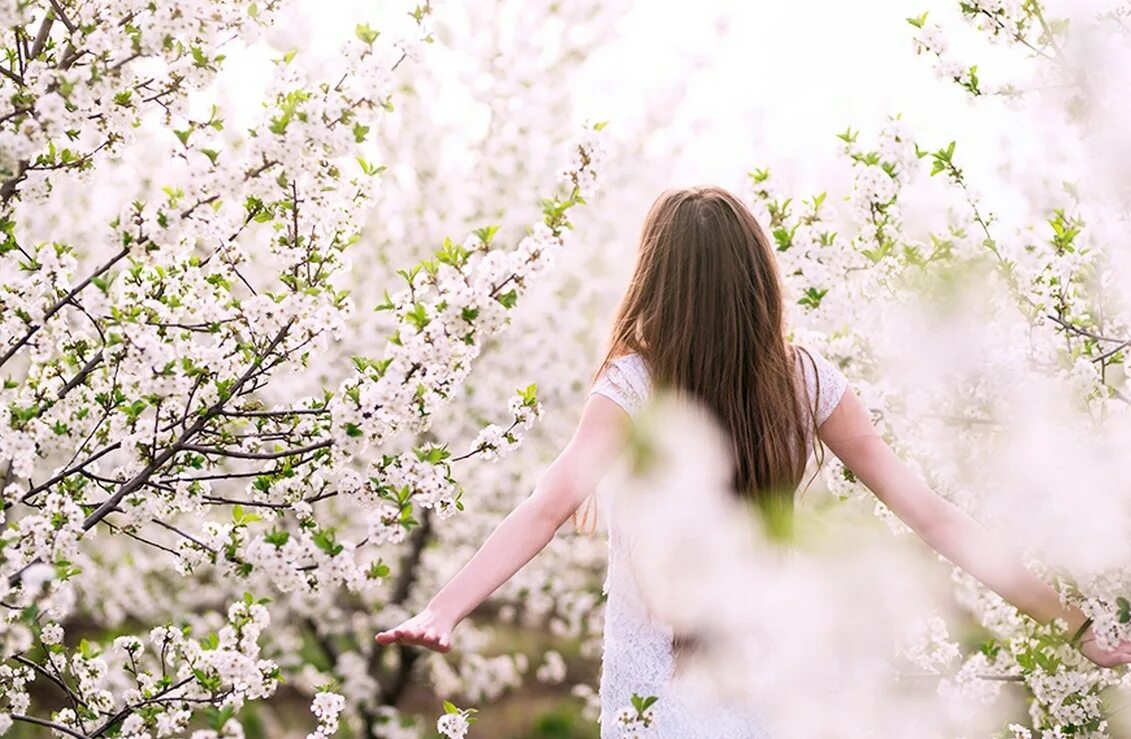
526 530
850 435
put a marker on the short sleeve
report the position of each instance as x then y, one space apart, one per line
625 381
824 381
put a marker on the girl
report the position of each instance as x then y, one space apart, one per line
704 315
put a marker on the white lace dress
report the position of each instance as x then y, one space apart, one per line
637 651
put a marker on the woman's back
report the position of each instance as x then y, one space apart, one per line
627 382
637 649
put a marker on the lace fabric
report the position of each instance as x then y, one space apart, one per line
637 654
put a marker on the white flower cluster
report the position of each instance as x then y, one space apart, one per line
1066 697
896 146
635 720
930 646
118 86
879 176
978 681
931 40
591 708
226 669
52 633
326 707
304 561
453 725
13 691
455 722
385 525
493 441
392 724
50 534
553 669
872 188
1001 20
589 154
431 483
481 678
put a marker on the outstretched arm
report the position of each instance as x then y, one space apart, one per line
849 433
526 530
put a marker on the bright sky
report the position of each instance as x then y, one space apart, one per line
777 80
770 83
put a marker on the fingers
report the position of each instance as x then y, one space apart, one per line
402 632
416 635
1120 655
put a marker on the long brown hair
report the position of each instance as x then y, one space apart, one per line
704 309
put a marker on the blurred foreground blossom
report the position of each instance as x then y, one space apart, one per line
789 616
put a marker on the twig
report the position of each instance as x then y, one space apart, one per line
62 16
49 724
258 455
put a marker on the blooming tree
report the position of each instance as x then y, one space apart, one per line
1011 333
164 484
557 597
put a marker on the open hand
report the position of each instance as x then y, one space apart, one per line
1120 654
425 629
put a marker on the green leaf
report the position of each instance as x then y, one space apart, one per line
759 175
418 316
487 233
365 33
529 394
812 297
277 538
452 253
366 167
432 455
327 541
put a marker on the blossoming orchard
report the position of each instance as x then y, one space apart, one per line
283 338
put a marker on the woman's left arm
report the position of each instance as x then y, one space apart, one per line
851 436
526 530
